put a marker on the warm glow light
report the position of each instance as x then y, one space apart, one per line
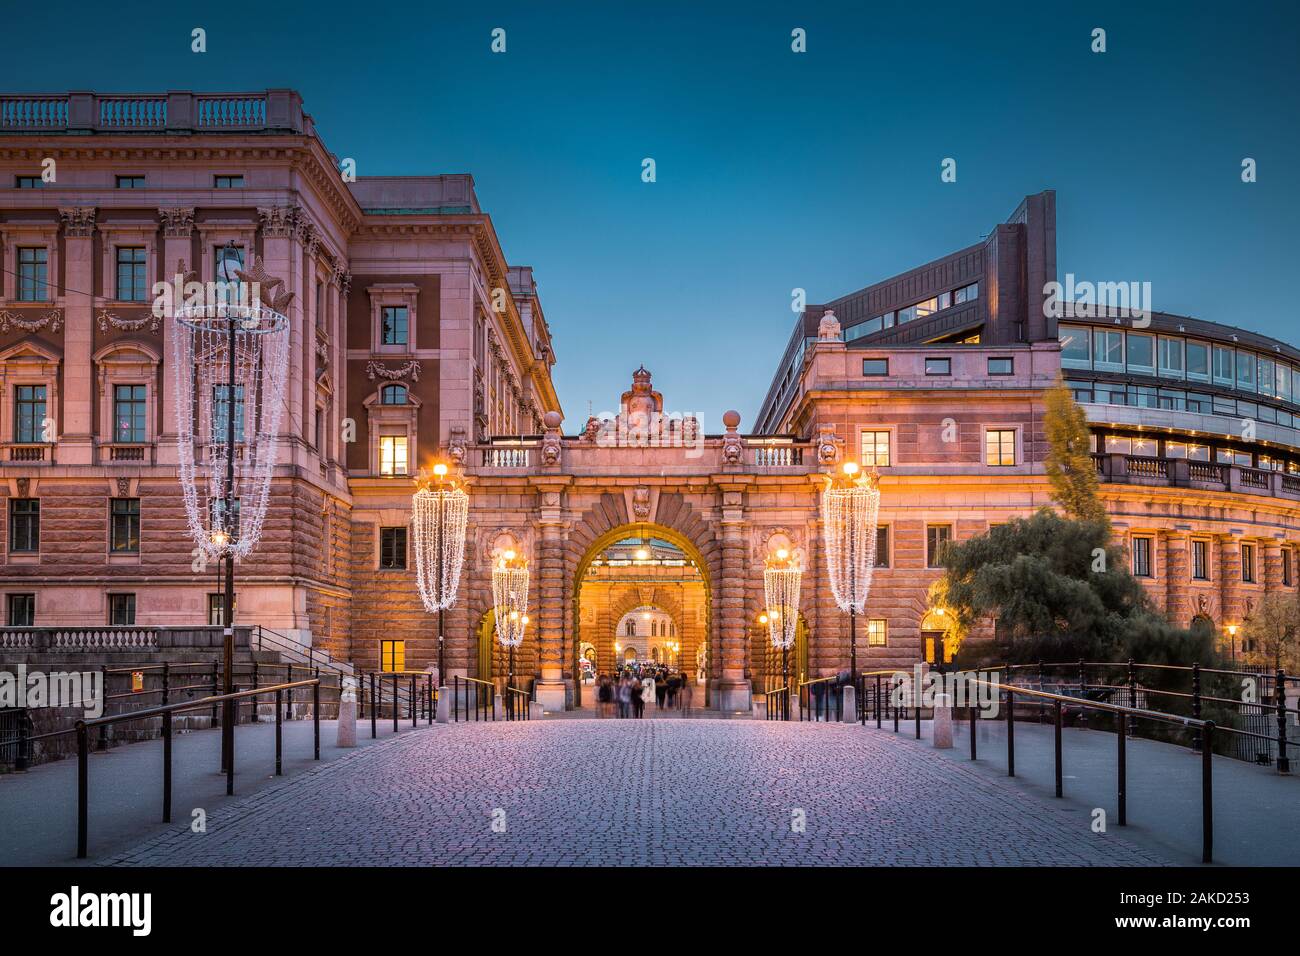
440 470
850 468
525 620
762 619
646 615
642 554
514 615
1232 630
782 554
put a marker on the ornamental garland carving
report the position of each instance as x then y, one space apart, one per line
53 319
411 368
108 320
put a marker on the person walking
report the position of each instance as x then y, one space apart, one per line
624 695
637 689
604 696
661 690
688 693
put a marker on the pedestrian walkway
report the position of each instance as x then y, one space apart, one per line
38 809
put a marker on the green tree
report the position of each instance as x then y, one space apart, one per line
1272 632
1070 469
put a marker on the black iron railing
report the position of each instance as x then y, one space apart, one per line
777 704
820 698
477 697
397 695
84 728
517 704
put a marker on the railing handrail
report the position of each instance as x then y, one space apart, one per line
1094 704
191 704
818 680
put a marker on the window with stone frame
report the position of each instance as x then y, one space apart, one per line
24 525
121 610
33 274
22 610
392 549
1200 559
124 525
1248 563
937 539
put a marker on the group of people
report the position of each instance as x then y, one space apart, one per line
635 686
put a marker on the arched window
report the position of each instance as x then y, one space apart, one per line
392 395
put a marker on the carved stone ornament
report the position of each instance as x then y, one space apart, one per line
24 487
278 222
641 502
552 441
828 445
375 370
124 487
107 320
458 445
78 221
733 448
52 319
591 431
828 329
177 221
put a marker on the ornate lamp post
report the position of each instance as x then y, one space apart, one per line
510 604
782 576
850 509
230 361
439 514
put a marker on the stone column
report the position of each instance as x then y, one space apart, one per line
1271 559
177 250
733 688
1229 579
280 260
1177 572
73 427
551 596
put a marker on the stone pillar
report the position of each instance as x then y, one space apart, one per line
551 597
280 260
73 427
730 629
942 726
1271 558
1177 572
177 250
1229 578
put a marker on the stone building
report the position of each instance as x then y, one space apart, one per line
413 338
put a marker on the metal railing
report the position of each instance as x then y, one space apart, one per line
483 693
392 694
166 711
818 697
777 704
876 697
517 704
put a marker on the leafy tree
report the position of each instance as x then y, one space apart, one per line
1069 464
1273 632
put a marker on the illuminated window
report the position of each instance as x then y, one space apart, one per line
392 455
1000 447
124 537
937 539
392 656
877 632
875 448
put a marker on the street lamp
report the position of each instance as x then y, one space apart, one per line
1232 640
230 361
510 604
782 576
439 514
850 509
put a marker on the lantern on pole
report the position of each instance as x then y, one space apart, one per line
782 577
510 605
439 516
850 509
230 361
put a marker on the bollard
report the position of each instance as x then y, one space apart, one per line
1279 689
849 705
498 707
942 723
972 713
444 702
1207 794
394 703
535 711
347 723
1011 734
83 789
414 717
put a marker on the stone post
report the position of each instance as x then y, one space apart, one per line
733 688
347 723
549 581
74 429
850 703
942 722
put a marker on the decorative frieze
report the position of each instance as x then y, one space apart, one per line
107 320
78 221
375 370
279 222
53 320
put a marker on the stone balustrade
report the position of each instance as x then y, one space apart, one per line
1181 473
174 111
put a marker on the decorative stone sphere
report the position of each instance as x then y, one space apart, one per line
731 419
552 419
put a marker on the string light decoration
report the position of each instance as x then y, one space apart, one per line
510 604
230 360
782 577
850 510
439 517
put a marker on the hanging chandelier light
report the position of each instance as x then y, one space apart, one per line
850 510
782 576
230 358
510 607
439 516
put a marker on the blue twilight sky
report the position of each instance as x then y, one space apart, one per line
775 170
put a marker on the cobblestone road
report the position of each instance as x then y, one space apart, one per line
642 792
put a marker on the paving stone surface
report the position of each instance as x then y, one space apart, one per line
664 793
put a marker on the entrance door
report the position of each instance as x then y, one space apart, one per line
932 641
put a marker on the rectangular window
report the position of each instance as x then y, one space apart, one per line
1000 447
124 516
1108 350
128 413
221 411
938 366
24 525
131 285
937 539
1200 560
22 610
1223 366
877 632
29 414
1076 350
1248 563
1002 366
392 455
922 309
1141 352
1266 376
217 609
1246 371
392 549
394 325
967 293
1171 357
33 274
1286 567
1142 557
28 182
882 546
130 182
854 332
392 656
227 182
121 610
875 366
875 449
1198 361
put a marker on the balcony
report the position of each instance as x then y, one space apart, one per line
176 111
25 453
131 453
1206 475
